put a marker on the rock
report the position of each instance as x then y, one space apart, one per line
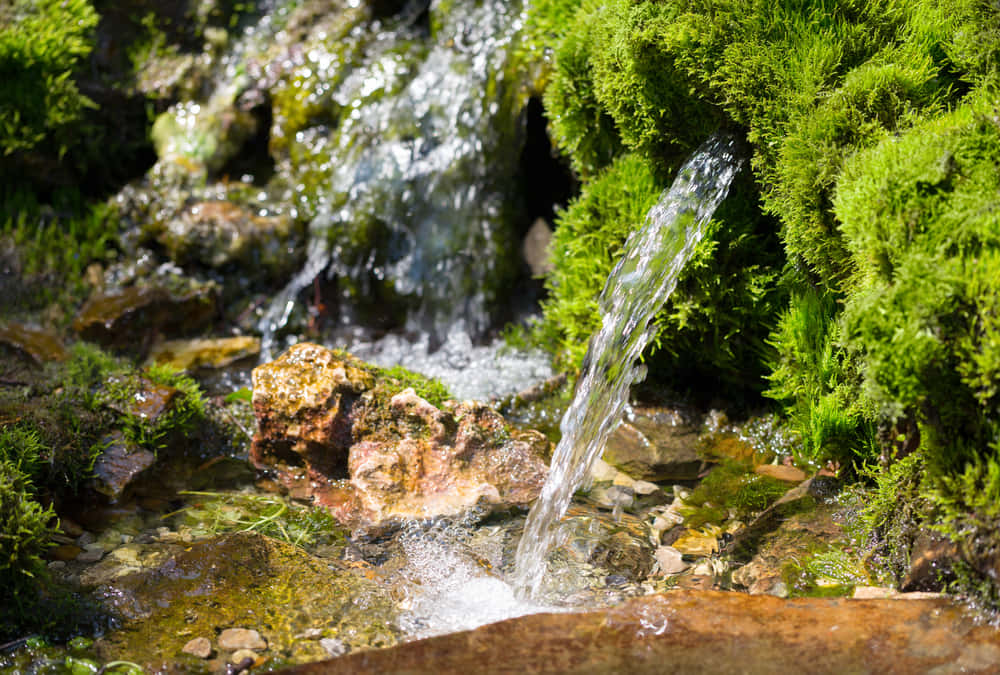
242 580
669 559
129 317
656 445
232 639
782 472
931 559
535 248
220 233
705 632
701 542
796 499
205 352
91 555
243 656
332 431
40 345
118 465
199 646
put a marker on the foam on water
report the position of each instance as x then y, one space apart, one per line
453 589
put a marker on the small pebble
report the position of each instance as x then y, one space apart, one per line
91 555
241 638
199 646
84 539
243 655
333 646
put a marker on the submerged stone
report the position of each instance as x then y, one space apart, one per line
269 590
657 445
333 430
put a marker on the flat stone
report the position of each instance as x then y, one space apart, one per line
91 555
705 632
199 646
204 352
656 445
782 472
670 560
241 638
41 345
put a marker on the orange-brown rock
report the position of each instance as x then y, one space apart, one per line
330 429
705 632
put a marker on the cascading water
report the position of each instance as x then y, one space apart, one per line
640 283
418 168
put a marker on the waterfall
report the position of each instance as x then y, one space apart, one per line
640 283
418 168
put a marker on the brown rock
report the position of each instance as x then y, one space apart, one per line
199 646
233 639
931 560
128 317
220 233
204 353
330 430
704 632
656 445
39 344
118 465
782 472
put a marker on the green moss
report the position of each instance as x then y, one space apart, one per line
819 383
730 490
398 378
41 43
918 215
24 523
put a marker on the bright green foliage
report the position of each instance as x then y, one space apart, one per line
919 216
184 411
588 238
24 523
817 381
41 43
398 378
716 320
730 489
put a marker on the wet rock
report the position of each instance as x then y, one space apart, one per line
332 431
118 465
782 472
795 500
705 632
232 639
656 445
243 579
204 352
221 233
931 559
40 345
243 657
130 317
199 646
670 560
535 248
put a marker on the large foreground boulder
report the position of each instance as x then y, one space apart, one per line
352 437
705 632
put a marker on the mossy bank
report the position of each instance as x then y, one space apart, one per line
852 276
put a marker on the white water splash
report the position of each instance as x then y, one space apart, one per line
450 589
640 283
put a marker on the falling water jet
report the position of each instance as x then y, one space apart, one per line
637 288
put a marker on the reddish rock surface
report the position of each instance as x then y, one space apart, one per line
705 632
330 429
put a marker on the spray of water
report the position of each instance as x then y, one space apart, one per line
644 278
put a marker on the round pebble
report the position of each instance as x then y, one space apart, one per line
199 646
241 638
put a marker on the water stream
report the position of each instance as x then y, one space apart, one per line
637 288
